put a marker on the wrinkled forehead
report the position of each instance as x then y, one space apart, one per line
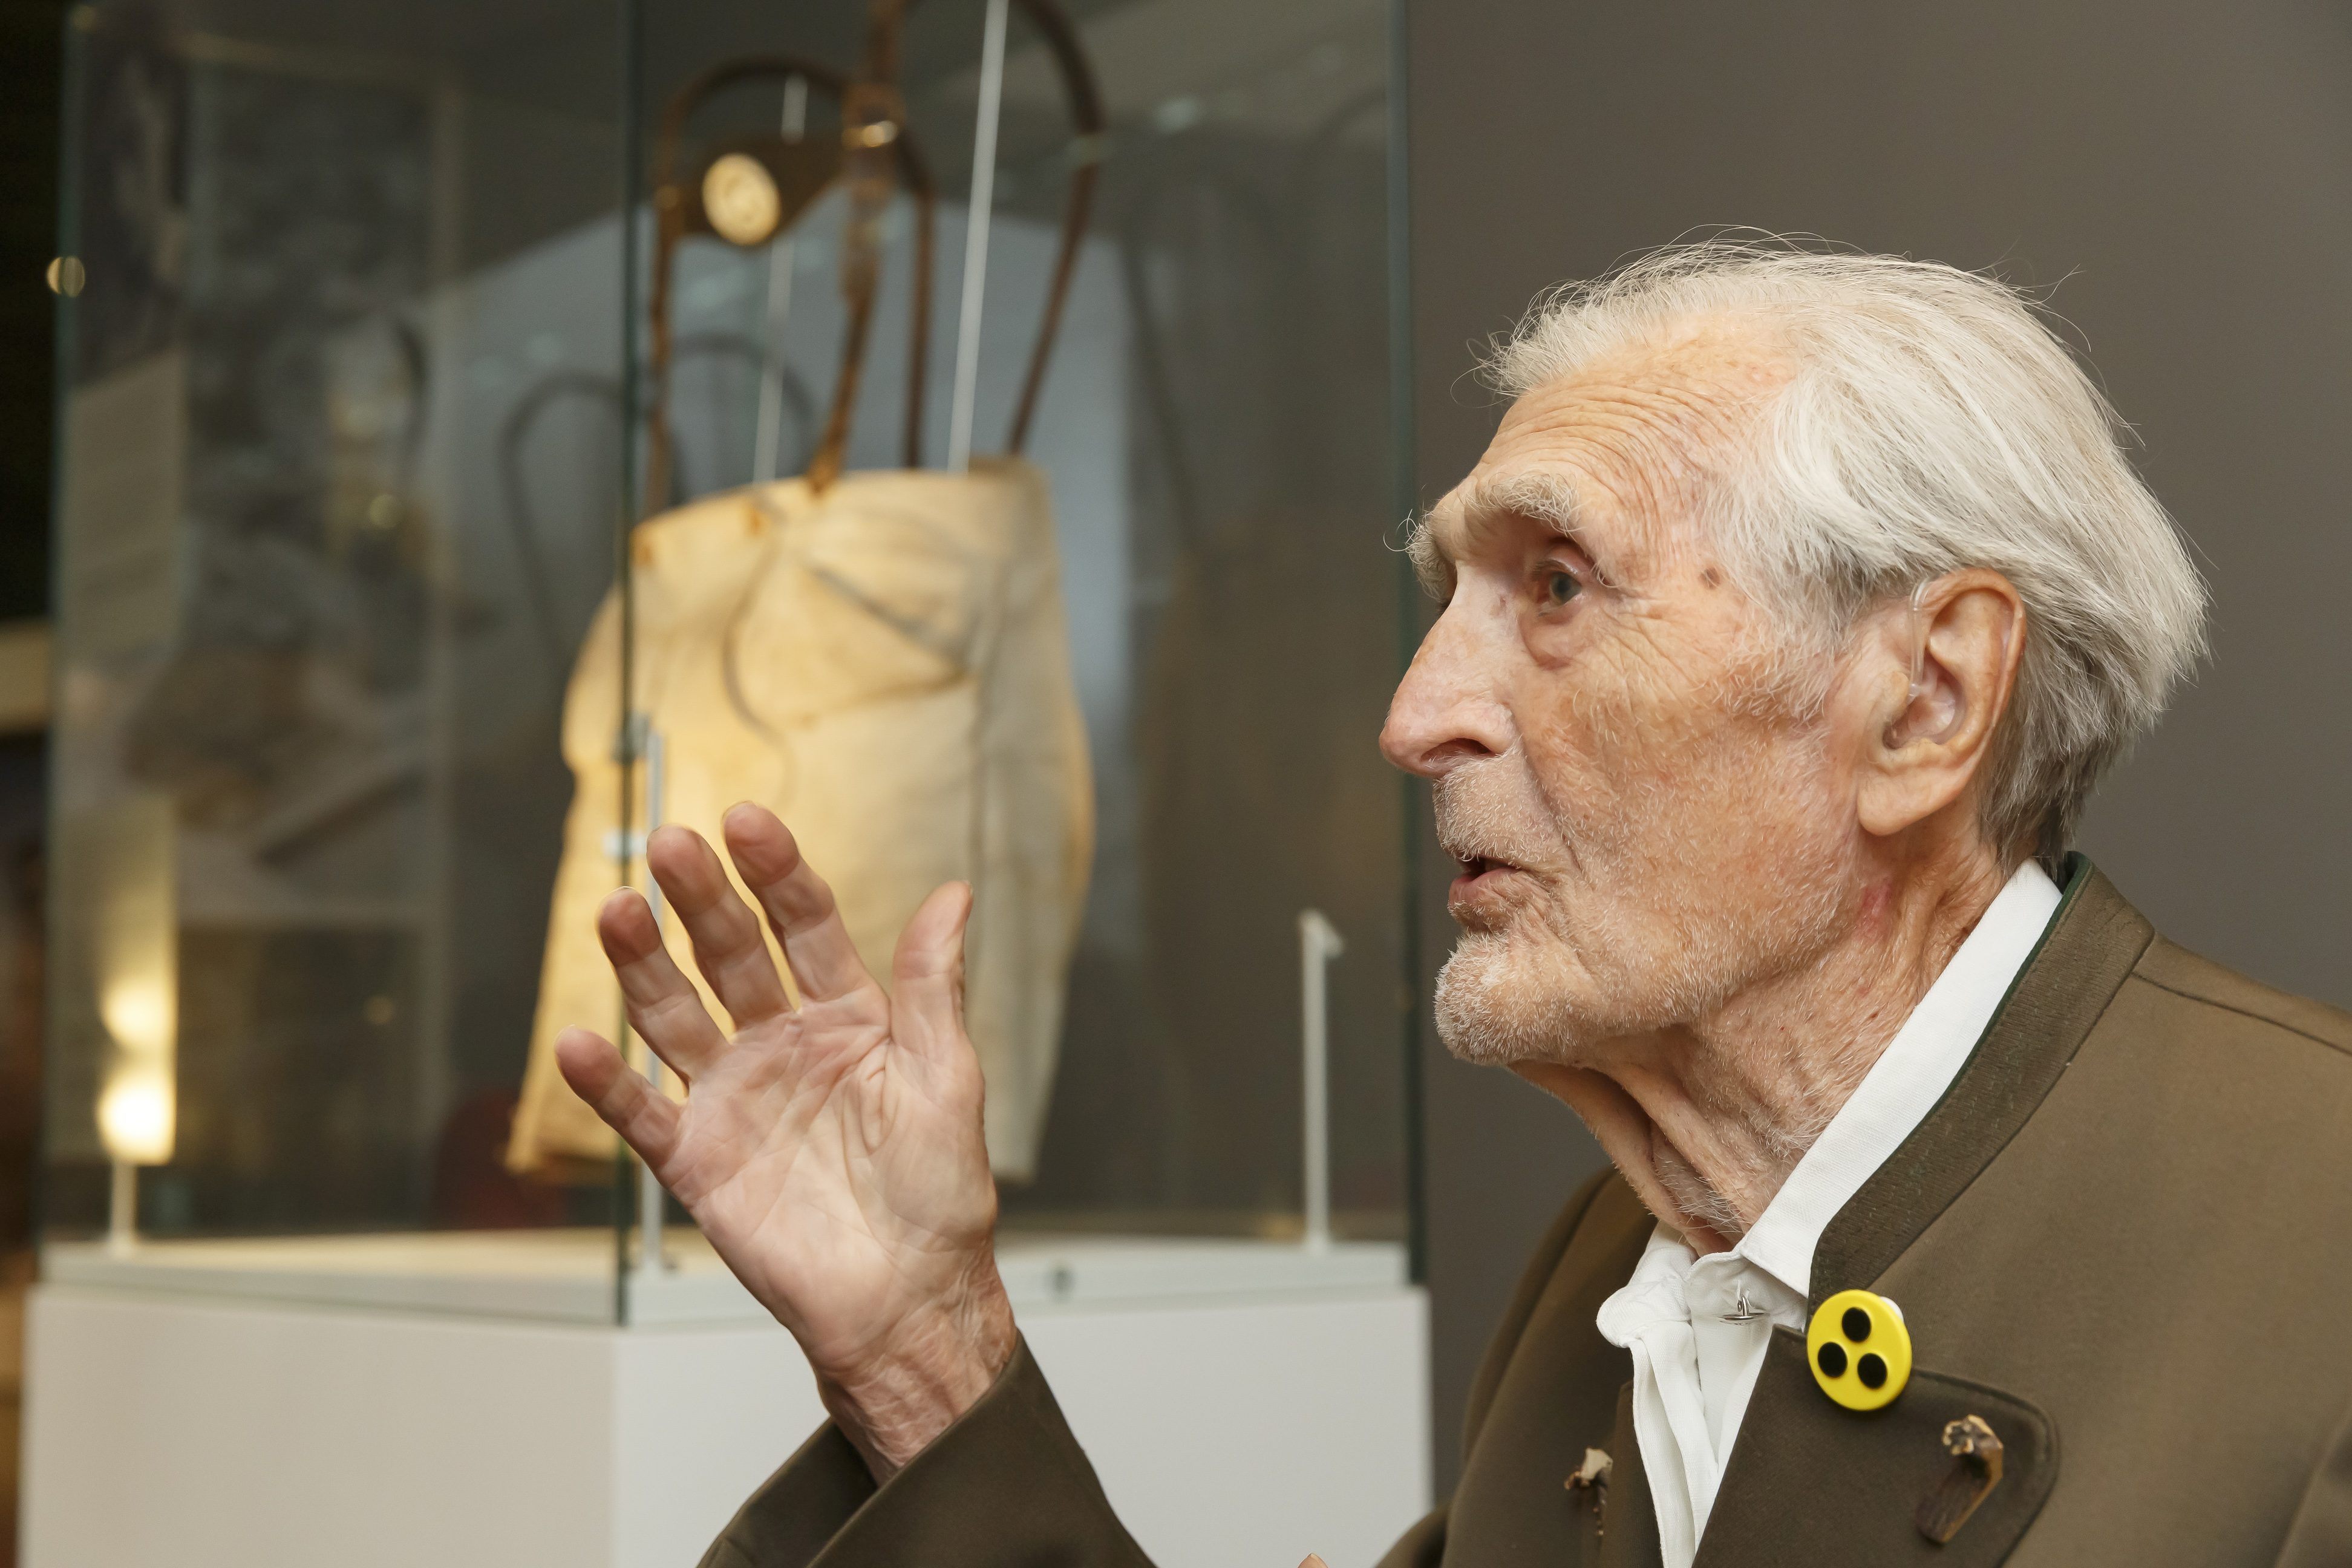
1617 454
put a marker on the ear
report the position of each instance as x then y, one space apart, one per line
1949 660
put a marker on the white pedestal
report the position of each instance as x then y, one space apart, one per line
1228 1428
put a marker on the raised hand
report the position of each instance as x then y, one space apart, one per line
832 1154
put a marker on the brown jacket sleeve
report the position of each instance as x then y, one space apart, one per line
1006 1485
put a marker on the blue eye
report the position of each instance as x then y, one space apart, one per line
1559 587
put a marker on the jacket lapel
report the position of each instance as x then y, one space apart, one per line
1558 1395
1812 1485
2092 942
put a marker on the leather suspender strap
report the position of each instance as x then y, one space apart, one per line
1085 161
876 153
886 29
802 170
873 124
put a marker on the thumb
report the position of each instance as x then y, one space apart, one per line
1314 1562
926 973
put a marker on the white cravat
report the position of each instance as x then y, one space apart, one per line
1697 1327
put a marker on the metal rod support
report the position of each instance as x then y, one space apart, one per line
975 238
768 444
123 1209
1319 944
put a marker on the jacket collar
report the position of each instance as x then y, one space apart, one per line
1811 1485
2081 962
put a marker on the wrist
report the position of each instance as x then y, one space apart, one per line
917 1382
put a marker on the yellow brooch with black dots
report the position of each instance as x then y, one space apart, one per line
1860 1350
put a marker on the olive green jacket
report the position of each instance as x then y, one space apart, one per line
2123 1239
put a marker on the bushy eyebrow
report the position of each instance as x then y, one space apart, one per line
1431 567
1549 499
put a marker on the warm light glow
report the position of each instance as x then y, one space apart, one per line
119 925
135 1116
139 1014
138 1109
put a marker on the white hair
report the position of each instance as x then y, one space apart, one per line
1932 423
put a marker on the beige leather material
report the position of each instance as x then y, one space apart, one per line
887 666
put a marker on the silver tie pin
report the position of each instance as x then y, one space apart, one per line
1742 1310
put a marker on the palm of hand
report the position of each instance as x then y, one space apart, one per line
841 1172
832 1154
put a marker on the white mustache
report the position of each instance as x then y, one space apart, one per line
1484 813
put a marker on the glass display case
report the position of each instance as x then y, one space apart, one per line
490 430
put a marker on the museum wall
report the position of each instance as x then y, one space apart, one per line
2177 176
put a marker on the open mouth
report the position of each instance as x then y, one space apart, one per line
1483 893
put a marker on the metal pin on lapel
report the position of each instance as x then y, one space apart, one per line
1976 1470
1591 1475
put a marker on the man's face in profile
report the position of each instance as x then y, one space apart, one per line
1648 807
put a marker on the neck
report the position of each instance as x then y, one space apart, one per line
1705 1119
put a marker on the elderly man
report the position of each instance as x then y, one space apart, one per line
1789 618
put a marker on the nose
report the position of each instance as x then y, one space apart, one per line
1447 710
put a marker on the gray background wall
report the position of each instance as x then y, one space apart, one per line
2181 170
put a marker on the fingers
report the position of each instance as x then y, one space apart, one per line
662 1003
646 1121
927 972
799 905
728 947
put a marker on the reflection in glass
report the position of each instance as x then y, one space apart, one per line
350 468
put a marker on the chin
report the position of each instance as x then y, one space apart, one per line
1501 1000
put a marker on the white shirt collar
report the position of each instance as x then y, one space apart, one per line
1909 1079
1697 1327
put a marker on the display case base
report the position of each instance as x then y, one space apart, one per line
238 1434
569 1275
